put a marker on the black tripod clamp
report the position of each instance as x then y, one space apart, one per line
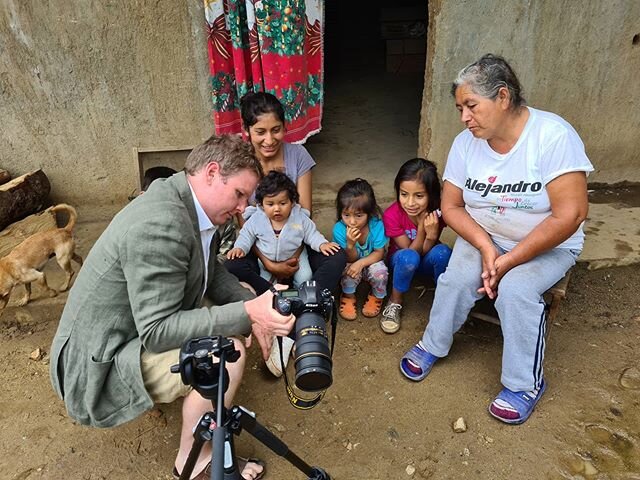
227 422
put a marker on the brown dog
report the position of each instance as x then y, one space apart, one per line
25 262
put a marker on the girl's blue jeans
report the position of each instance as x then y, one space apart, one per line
407 262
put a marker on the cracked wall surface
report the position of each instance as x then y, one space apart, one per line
83 83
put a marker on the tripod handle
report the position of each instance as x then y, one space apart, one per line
218 446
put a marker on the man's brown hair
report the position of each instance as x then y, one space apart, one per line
229 151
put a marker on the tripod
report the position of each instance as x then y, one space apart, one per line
227 421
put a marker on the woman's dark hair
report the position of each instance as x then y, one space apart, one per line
357 194
274 183
425 172
487 76
252 105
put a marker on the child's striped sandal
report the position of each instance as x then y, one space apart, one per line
372 306
348 308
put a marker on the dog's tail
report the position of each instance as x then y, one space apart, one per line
73 215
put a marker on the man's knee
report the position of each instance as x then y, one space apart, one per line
162 385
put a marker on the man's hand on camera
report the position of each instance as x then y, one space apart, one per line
266 322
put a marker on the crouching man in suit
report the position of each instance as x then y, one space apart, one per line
139 297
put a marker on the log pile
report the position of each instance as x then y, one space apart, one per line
22 196
4 176
22 201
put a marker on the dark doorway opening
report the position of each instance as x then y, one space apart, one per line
374 77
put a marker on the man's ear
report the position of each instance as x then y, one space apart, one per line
212 169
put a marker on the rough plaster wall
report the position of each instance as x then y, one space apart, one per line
573 58
82 83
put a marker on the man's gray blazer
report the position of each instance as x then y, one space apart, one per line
140 287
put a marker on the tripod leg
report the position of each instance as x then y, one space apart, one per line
248 422
201 435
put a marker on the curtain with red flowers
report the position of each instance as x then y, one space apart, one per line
267 45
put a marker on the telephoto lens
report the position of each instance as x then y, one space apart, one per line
312 356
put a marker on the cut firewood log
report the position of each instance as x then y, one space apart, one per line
15 233
23 196
4 176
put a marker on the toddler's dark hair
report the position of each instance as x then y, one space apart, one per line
252 105
424 171
154 173
357 194
274 183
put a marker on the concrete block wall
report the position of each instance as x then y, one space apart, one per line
580 60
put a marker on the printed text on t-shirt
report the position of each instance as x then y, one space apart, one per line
491 186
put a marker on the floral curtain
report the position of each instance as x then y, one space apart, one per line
267 45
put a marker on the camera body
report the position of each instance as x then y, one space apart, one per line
312 308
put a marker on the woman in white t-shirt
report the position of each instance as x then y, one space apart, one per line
515 192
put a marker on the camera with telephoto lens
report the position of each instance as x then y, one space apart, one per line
312 358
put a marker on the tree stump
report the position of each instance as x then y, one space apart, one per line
4 176
15 233
23 196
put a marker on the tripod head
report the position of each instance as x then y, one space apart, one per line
198 369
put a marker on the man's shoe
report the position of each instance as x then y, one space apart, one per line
273 362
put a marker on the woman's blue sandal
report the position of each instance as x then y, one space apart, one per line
522 405
417 363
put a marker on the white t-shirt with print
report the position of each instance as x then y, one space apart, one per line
506 193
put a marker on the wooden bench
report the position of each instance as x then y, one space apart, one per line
485 310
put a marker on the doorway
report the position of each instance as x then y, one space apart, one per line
374 79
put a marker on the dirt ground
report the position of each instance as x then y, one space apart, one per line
372 423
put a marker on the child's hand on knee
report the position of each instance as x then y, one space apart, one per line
329 248
235 253
354 269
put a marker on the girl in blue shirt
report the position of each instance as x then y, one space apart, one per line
360 232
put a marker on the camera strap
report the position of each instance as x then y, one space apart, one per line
295 400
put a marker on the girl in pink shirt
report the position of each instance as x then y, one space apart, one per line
413 225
